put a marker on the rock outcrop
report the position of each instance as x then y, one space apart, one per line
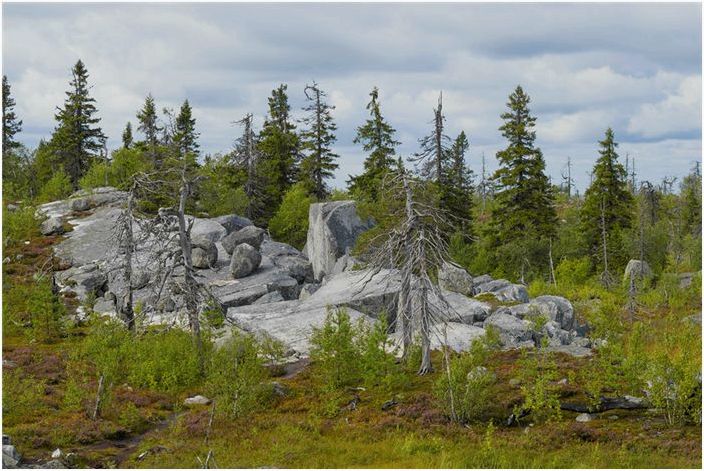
333 229
455 278
51 226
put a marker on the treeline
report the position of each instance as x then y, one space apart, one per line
514 223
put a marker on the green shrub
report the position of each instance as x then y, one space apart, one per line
97 175
32 310
22 397
573 271
377 359
290 223
19 225
334 352
538 376
464 386
58 187
236 375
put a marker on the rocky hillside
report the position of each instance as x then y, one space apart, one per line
268 286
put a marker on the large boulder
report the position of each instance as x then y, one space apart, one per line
51 226
82 280
503 290
208 229
245 259
465 310
513 331
456 279
273 249
298 267
232 222
204 253
333 229
556 308
251 235
637 269
10 456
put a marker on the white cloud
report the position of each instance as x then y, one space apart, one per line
678 112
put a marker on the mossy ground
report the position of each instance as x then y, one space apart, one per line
306 429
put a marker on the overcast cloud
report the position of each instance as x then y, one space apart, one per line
636 68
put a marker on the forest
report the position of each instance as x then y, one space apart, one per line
83 387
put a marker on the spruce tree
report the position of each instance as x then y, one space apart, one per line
10 124
185 137
608 207
525 206
279 147
377 138
127 136
149 126
458 189
77 140
317 139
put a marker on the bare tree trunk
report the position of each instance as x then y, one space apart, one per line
96 410
426 365
552 266
605 276
127 308
405 300
191 294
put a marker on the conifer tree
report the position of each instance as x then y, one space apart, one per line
608 207
316 139
246 159
10 124
127 136
377 138
524 197
185 137
149 126
77 140
458 189
279 147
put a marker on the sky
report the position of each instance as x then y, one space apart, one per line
633 67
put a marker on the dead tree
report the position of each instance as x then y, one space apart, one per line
429 161
246 157
569 181
416 247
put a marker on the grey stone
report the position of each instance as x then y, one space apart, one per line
271 297
245 259
512 293
54 464
333 229
637 268
56 454
139 279
104 306
52 226
481 279
307 290
206 229
232 222
557 309
344 263
298 267
80 204
574 350
82 280
11 207
204 253
464 309
685 279
511 329
584 417
251 235
455 278
273 249
196 401
10 456
489 286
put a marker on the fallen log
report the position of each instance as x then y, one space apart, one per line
608 403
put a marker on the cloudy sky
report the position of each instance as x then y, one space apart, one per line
634 67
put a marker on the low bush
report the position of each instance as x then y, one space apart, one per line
290 223
58 187
19 225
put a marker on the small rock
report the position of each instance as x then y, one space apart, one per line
280 390
54 464
514 382
51 226
204 253
584 417
389 404
6 260
613 417
197 400
562 382
80 204
10 456
455 278
56 454
12 207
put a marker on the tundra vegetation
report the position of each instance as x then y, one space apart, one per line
110 391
